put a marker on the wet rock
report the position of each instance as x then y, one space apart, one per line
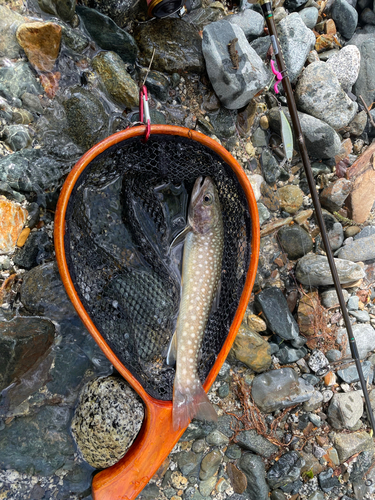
359 250
18 78
108 35
279 389
206 487
364 336
43 293
223 123
345 17
36 250
23 344
319 93
307 313
327 481
345 409
73 39
17 137
117 81
252 350
252 441
238 78
237 478
12 220
44 439
349 444
157 84
313 270
9 22
364 84
270 167
250 21
274 307
106 421
321 140
254 470
201 17
291 198
118 10
216 438
309 16
345 64
41 43
65 10
295 241
87 119
350 374
286 470
333 196
296 41
209 465
177 44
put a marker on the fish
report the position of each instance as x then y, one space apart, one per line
201 271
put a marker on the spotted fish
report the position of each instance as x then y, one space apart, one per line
201 270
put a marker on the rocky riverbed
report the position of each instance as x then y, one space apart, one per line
292 423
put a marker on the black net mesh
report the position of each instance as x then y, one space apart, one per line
126 208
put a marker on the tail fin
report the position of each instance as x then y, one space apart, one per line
188 405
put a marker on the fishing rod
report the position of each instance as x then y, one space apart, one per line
284 78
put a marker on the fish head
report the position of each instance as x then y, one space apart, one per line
204 208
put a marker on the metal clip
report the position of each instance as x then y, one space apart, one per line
144 110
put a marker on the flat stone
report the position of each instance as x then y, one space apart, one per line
188 461
274 307
360 316
345 17
345 409
359 250
329 297
345 64
364 336
252 350
217 438
105 32
288 355
209 465
320 94
206 487
177 44
117 81
291 198
270 167
364 84
322 141
237 478
313 270
23 344
106 421
41 43
279 389
252 441
350 374
12 220
296 41
349 444
253 467
365 232
235 81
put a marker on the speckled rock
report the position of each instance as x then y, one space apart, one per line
41 43
320 94
313 270
117 81
106 421
12 220
252 350
291 198
345 409
345 64
296 41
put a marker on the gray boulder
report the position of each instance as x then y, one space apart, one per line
345 17
345 409
320 94
237 79
296 41
314 270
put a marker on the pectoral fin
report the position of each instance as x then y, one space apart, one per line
172 351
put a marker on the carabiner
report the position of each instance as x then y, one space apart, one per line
144 109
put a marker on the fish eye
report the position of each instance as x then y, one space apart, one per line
207 199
